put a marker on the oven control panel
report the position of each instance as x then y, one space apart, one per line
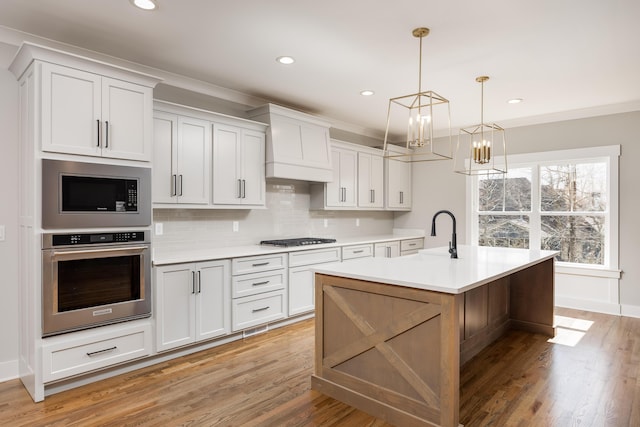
97 238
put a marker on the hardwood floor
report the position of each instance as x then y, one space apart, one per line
521 380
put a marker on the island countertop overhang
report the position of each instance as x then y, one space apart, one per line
434 270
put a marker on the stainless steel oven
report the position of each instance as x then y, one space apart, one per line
93 279
84 195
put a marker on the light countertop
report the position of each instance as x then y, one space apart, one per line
195 252
434 270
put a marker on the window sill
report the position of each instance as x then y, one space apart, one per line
588 271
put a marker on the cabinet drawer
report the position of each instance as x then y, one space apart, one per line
90 350
315 256
357 251
411 244
258 283
257 309
256 264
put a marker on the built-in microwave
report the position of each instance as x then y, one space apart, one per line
78 195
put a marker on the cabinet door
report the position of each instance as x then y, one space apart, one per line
227 180
253 170
175 306
341 192
126 116
387 250
71 110
370 181
165 149
301 290
398 184
194 151
213 303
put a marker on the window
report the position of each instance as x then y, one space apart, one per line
564 201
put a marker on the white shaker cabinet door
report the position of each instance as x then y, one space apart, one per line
253 170
126 116
165 153
213 302
194 151
175 306
71 110
370 181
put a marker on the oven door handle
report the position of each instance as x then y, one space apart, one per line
133 250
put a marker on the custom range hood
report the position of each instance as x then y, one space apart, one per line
298 144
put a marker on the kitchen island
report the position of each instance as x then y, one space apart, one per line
392 333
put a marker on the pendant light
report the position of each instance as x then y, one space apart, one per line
411 120
482 148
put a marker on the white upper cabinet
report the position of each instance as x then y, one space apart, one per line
370 181
357 182
341 191
238 166
181 169
397 185
207 160
94 115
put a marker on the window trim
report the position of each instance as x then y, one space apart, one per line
610 154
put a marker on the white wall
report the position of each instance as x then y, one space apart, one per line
8 217
437 187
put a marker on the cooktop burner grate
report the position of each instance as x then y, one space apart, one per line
301 241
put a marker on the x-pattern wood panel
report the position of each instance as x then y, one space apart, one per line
379 339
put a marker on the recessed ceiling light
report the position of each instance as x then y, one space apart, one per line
144 4
285 60
515 101
366 92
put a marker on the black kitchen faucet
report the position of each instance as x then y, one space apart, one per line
453 244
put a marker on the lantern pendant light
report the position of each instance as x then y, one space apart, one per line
411 120
482 148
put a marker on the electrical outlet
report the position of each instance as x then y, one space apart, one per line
326 222
159 229
236 226
2 229
357 222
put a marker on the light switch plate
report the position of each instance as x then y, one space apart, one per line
1 233
159 229
236 226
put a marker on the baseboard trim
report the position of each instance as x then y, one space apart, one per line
630 310
588 305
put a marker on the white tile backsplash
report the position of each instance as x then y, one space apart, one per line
287 215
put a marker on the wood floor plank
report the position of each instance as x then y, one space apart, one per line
520 380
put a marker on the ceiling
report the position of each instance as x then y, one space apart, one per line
565 59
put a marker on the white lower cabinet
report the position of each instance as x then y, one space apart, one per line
192 303
357 251
387 249
301 277
81 352
259 290
411 246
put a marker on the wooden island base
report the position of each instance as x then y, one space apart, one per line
395 352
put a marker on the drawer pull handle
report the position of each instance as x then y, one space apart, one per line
266 282
260 264
358 252
95 353
412 244
255 310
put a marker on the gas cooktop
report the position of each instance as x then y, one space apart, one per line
301 241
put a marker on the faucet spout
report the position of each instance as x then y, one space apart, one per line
453 244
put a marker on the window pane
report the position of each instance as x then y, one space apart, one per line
511 193
580 239
505 231
574 187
